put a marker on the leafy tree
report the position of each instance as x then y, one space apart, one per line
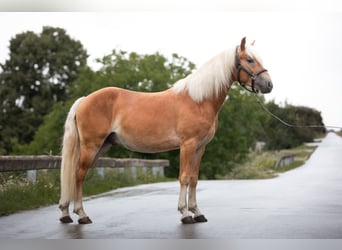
39 69
280 136
48 138
148 73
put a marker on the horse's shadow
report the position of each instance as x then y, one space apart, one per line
73 231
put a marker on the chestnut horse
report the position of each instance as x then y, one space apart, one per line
183 117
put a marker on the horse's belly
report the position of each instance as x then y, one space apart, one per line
148 143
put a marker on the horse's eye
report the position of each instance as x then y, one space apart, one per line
250 60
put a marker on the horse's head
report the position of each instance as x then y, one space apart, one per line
249 71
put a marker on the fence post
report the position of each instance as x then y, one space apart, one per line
158 171
285 160
31 175
101 172
134 172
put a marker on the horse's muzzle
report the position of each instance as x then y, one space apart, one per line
264 84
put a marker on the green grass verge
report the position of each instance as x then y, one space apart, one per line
17 193
261 165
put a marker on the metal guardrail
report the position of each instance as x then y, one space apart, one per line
32 163
36 162
285 160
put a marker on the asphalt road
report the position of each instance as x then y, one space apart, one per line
305 203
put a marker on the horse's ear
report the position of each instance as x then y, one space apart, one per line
243 44
253 43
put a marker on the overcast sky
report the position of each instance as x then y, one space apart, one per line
300 41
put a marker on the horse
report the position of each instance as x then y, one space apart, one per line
183 117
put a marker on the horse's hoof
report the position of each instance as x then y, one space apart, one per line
188 220
66 219
85 220
200 218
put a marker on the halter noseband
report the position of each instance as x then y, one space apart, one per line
253 76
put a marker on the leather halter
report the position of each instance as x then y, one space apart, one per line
253 76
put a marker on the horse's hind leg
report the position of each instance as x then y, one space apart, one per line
86 160
65 218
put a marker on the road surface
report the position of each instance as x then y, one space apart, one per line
302 203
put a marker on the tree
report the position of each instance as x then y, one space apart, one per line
39 69
279 136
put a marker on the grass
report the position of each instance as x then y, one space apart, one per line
262 165
17 193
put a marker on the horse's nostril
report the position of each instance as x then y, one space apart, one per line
269 85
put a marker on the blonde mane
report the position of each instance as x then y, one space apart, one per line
210 79
213 77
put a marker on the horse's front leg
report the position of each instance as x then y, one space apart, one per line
189 166
187 152
193 207
183 204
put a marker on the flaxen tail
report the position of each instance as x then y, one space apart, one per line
70 155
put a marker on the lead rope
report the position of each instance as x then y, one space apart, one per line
292 125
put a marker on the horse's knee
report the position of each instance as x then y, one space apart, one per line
184 180
193 181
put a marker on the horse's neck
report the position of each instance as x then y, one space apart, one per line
215 103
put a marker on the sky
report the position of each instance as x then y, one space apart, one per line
300 41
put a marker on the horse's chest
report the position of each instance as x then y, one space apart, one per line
209 135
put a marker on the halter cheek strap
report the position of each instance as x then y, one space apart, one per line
253 76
